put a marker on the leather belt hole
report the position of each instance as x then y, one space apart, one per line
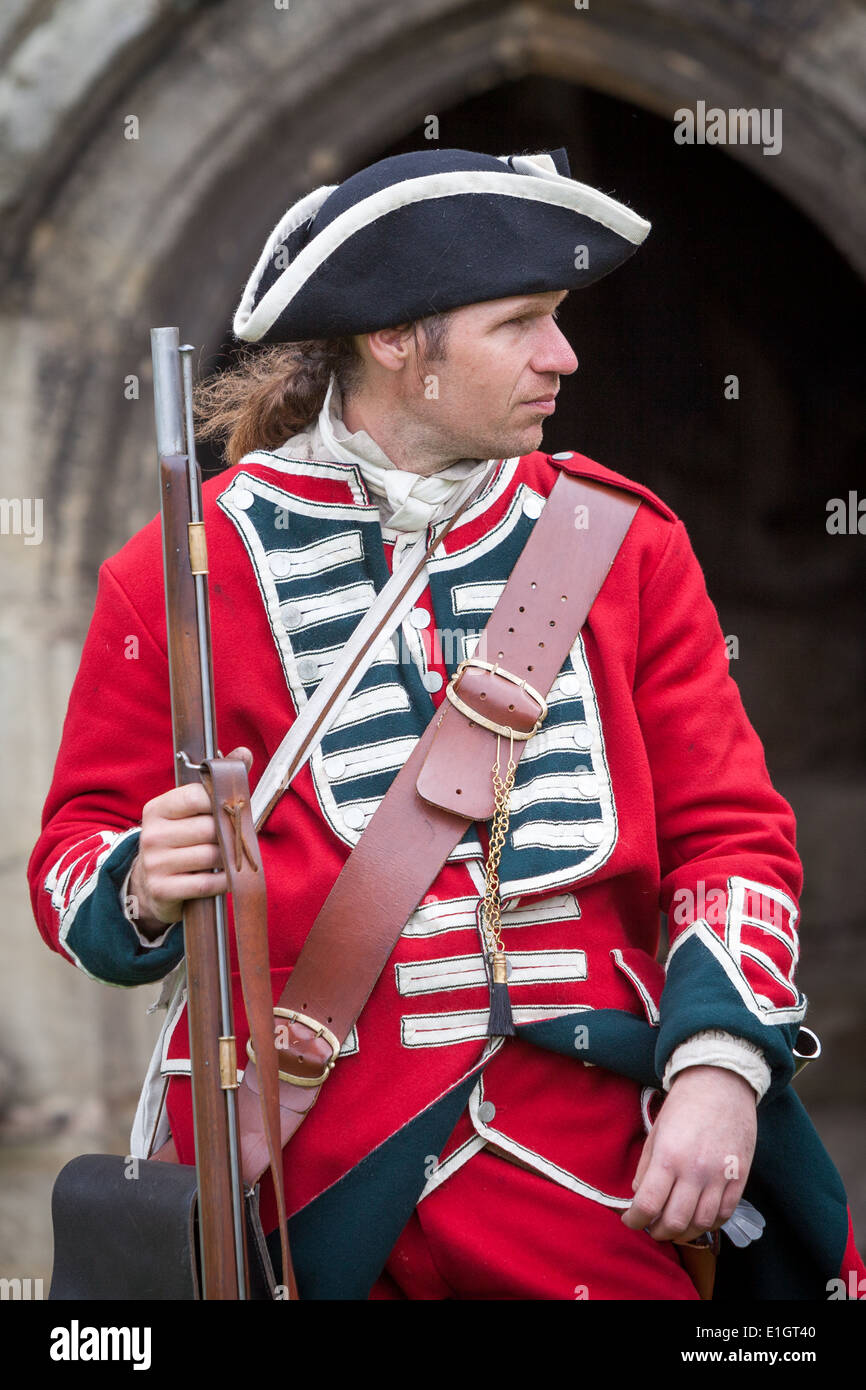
530 668
483 694
511 629
533 585
563 597
552 622
511 707
541 644
521 609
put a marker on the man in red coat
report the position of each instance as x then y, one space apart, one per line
558 1173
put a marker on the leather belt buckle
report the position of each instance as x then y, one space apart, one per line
477 717
319 1031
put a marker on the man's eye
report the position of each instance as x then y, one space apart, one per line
526 318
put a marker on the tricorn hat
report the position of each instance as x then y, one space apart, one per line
421 233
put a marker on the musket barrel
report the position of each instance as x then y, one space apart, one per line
167 403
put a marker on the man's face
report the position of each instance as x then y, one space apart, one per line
489 395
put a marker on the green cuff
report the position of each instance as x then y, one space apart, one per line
102 940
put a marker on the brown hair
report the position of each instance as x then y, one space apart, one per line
277 390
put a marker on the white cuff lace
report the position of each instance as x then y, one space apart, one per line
715 1048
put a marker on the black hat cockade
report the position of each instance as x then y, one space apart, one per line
421 233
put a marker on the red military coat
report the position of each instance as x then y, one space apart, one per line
646 789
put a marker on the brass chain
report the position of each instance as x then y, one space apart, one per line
491 910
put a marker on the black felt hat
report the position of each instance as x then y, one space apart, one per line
420 233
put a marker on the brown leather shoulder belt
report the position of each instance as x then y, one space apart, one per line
444 786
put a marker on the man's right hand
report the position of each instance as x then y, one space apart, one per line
178 853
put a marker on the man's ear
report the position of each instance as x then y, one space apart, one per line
392 348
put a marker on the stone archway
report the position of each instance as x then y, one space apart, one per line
243 107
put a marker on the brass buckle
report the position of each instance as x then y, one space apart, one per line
473 714
320 1031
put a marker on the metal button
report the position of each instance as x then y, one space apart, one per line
569 685
533 505
308 668
241 497
419 617
486 1111
280 564
583 736
354 817
431 680
291 614
335 767
562 456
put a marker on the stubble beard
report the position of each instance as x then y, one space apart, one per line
507 443
447 445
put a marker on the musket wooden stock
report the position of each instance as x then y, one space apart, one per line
215 1208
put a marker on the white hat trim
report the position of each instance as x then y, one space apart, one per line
540 187
302 211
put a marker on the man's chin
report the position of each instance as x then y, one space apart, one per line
528 441
525 441
514 445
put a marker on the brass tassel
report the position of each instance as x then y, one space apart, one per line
501 1022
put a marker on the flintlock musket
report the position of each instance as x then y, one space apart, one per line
211 1024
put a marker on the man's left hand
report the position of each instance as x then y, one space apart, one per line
697 1157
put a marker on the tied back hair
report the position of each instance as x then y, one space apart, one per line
277 390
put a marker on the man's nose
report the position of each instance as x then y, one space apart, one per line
554 353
